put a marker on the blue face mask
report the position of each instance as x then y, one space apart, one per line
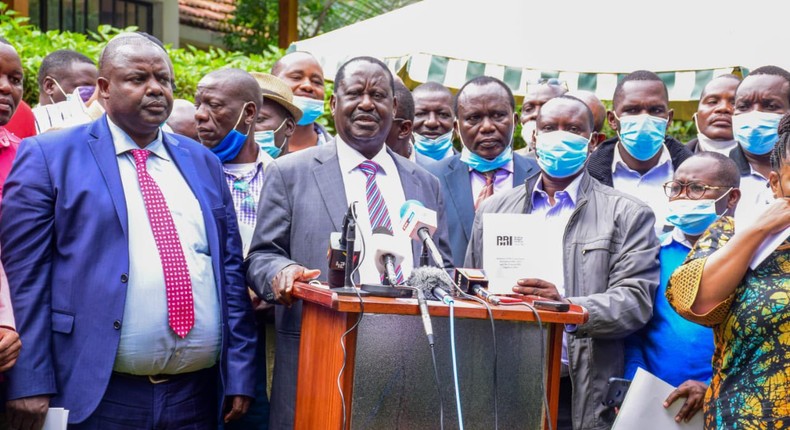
231 145
642 135
265 139
483 165
561 154
311 109
756 131
693 217
436 148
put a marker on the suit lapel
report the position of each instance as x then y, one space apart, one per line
101 145
411 191
456 181
522 169
329 180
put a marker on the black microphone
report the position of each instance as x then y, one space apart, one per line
387 257
434 282
341 262
474 281
419 223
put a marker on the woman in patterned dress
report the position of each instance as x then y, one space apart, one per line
749 309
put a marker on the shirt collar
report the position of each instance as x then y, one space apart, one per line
124 143
663 160
676 236
349 158
259 165
572 190
507 167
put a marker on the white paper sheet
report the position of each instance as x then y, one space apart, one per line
515 246
643 407
57 419
769 246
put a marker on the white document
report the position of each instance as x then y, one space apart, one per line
57 419
516 246
768 247
643 407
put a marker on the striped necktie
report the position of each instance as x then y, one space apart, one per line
377 207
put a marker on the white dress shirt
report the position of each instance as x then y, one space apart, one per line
648 187
389 183
556 219
148 345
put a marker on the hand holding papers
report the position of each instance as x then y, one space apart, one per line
643 407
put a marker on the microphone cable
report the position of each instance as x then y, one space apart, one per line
493 338
436 377
542 359
356 324
455 367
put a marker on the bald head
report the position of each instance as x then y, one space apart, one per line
123 44
566 113
182 119
233 84
596 107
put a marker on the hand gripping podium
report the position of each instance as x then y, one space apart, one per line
388 381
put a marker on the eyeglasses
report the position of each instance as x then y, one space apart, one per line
694 190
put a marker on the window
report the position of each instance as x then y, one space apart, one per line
82 15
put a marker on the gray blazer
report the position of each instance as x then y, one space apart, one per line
610 256
302 201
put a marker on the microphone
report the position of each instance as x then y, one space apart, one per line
341 262
419 223
387 256
434 282
474 281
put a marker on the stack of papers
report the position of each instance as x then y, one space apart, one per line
643 407
57 419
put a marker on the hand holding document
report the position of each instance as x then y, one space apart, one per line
768 247
643 407
57 419
515 247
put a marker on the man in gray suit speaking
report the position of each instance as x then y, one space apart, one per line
305 196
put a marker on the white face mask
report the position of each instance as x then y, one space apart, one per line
527 130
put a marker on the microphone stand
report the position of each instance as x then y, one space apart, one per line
350 236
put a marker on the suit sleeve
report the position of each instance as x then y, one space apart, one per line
271 242
474 251
442 236
627 303
240 359
27 232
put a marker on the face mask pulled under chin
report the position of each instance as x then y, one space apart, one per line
231 144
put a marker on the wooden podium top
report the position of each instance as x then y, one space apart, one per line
463 308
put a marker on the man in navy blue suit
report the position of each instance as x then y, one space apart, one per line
123 257
485 122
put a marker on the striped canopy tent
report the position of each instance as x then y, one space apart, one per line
587 44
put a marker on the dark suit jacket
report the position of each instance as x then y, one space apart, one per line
302 202
453 175
66 253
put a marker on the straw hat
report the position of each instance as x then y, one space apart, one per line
277 91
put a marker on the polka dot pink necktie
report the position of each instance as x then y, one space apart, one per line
180 306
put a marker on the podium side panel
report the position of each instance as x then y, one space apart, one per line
318 401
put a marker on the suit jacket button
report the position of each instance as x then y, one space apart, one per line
117 324
124 278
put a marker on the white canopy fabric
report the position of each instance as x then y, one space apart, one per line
587 44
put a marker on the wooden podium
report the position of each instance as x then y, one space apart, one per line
326 316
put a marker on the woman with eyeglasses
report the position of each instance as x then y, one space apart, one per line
748 306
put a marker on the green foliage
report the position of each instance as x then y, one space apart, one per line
255 24
189 64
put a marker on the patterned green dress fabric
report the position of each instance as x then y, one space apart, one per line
751 362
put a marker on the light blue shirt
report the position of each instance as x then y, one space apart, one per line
556 219
148 345
648 187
